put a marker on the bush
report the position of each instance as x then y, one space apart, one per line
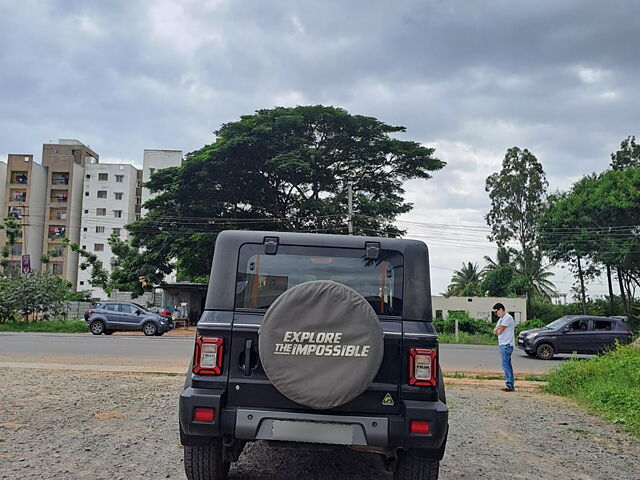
609 384
466 324
529 325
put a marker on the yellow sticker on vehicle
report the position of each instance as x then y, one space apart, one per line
388 400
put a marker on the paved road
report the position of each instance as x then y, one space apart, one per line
163 354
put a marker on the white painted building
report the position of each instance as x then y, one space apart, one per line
3 188
479 307
109 201
154 160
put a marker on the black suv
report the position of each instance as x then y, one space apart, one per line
109 317
315 339
575 334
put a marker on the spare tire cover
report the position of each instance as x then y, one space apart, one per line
321 344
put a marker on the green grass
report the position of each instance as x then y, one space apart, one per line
468 339
529 378
608 384
71 326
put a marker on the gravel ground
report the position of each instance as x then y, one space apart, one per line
84 425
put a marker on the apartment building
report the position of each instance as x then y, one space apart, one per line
152 161
66 162
3 188
25 188
108 205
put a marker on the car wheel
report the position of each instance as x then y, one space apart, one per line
108 332
150 329
205 462
411 467
545 351
97 327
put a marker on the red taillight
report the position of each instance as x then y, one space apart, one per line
89 313
207 358
420 427
422 366
201 414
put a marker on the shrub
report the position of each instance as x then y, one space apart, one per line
466 324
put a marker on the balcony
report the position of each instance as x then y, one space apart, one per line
58 214
19 178
60 178
56 268
15 250
18 196
56 251
59 196
16 212
56 233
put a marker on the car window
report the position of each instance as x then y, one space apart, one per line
263 278
111 307
579 326
603 325
559 323
127 308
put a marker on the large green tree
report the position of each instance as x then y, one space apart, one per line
627 156
517 194
280 169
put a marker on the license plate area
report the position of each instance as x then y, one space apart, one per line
312 432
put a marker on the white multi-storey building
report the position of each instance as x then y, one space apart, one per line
154 160
109 203
3 188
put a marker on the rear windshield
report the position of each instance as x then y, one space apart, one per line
263 278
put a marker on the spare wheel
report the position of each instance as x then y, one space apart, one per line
321 344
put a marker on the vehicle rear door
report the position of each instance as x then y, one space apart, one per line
111 311
262 278
604 335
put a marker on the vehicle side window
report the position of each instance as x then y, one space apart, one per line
603 325
127 309
111 307
579 326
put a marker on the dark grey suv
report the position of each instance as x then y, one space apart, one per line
109 317
575 334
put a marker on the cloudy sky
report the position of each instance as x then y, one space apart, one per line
469 78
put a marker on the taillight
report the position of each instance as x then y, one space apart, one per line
207 358
89 313
202 414
421 427
422 366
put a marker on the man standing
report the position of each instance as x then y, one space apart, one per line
505 330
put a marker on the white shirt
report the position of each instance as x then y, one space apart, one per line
507 337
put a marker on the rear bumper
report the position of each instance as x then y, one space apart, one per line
250 424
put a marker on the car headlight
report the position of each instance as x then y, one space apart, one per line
531 335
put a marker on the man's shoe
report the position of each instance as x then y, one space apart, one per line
508 389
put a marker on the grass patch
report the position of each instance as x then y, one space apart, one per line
468 339
71 326
608 384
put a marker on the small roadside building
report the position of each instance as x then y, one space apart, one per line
479 307
178 294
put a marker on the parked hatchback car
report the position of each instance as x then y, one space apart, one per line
109 317
575 334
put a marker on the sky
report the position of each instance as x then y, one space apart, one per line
470 79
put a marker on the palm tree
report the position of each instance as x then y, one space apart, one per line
466 281
536 274
504 256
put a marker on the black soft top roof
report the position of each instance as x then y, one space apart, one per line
417 288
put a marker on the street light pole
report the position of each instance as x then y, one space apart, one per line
350 190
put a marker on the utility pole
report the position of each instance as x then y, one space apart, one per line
350 221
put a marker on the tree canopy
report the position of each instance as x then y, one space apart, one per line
280 169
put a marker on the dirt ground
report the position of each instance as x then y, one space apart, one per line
88 425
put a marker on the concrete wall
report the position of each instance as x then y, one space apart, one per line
37 201
479 307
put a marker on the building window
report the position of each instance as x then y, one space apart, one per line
86 194
86 211
152 171
81 282
56 268
88 176
84 229
118 195
84 247
116 231
60 178
137 217
119 178
100 229
103 177
101 212
117 213
138 201
98 247
102 194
